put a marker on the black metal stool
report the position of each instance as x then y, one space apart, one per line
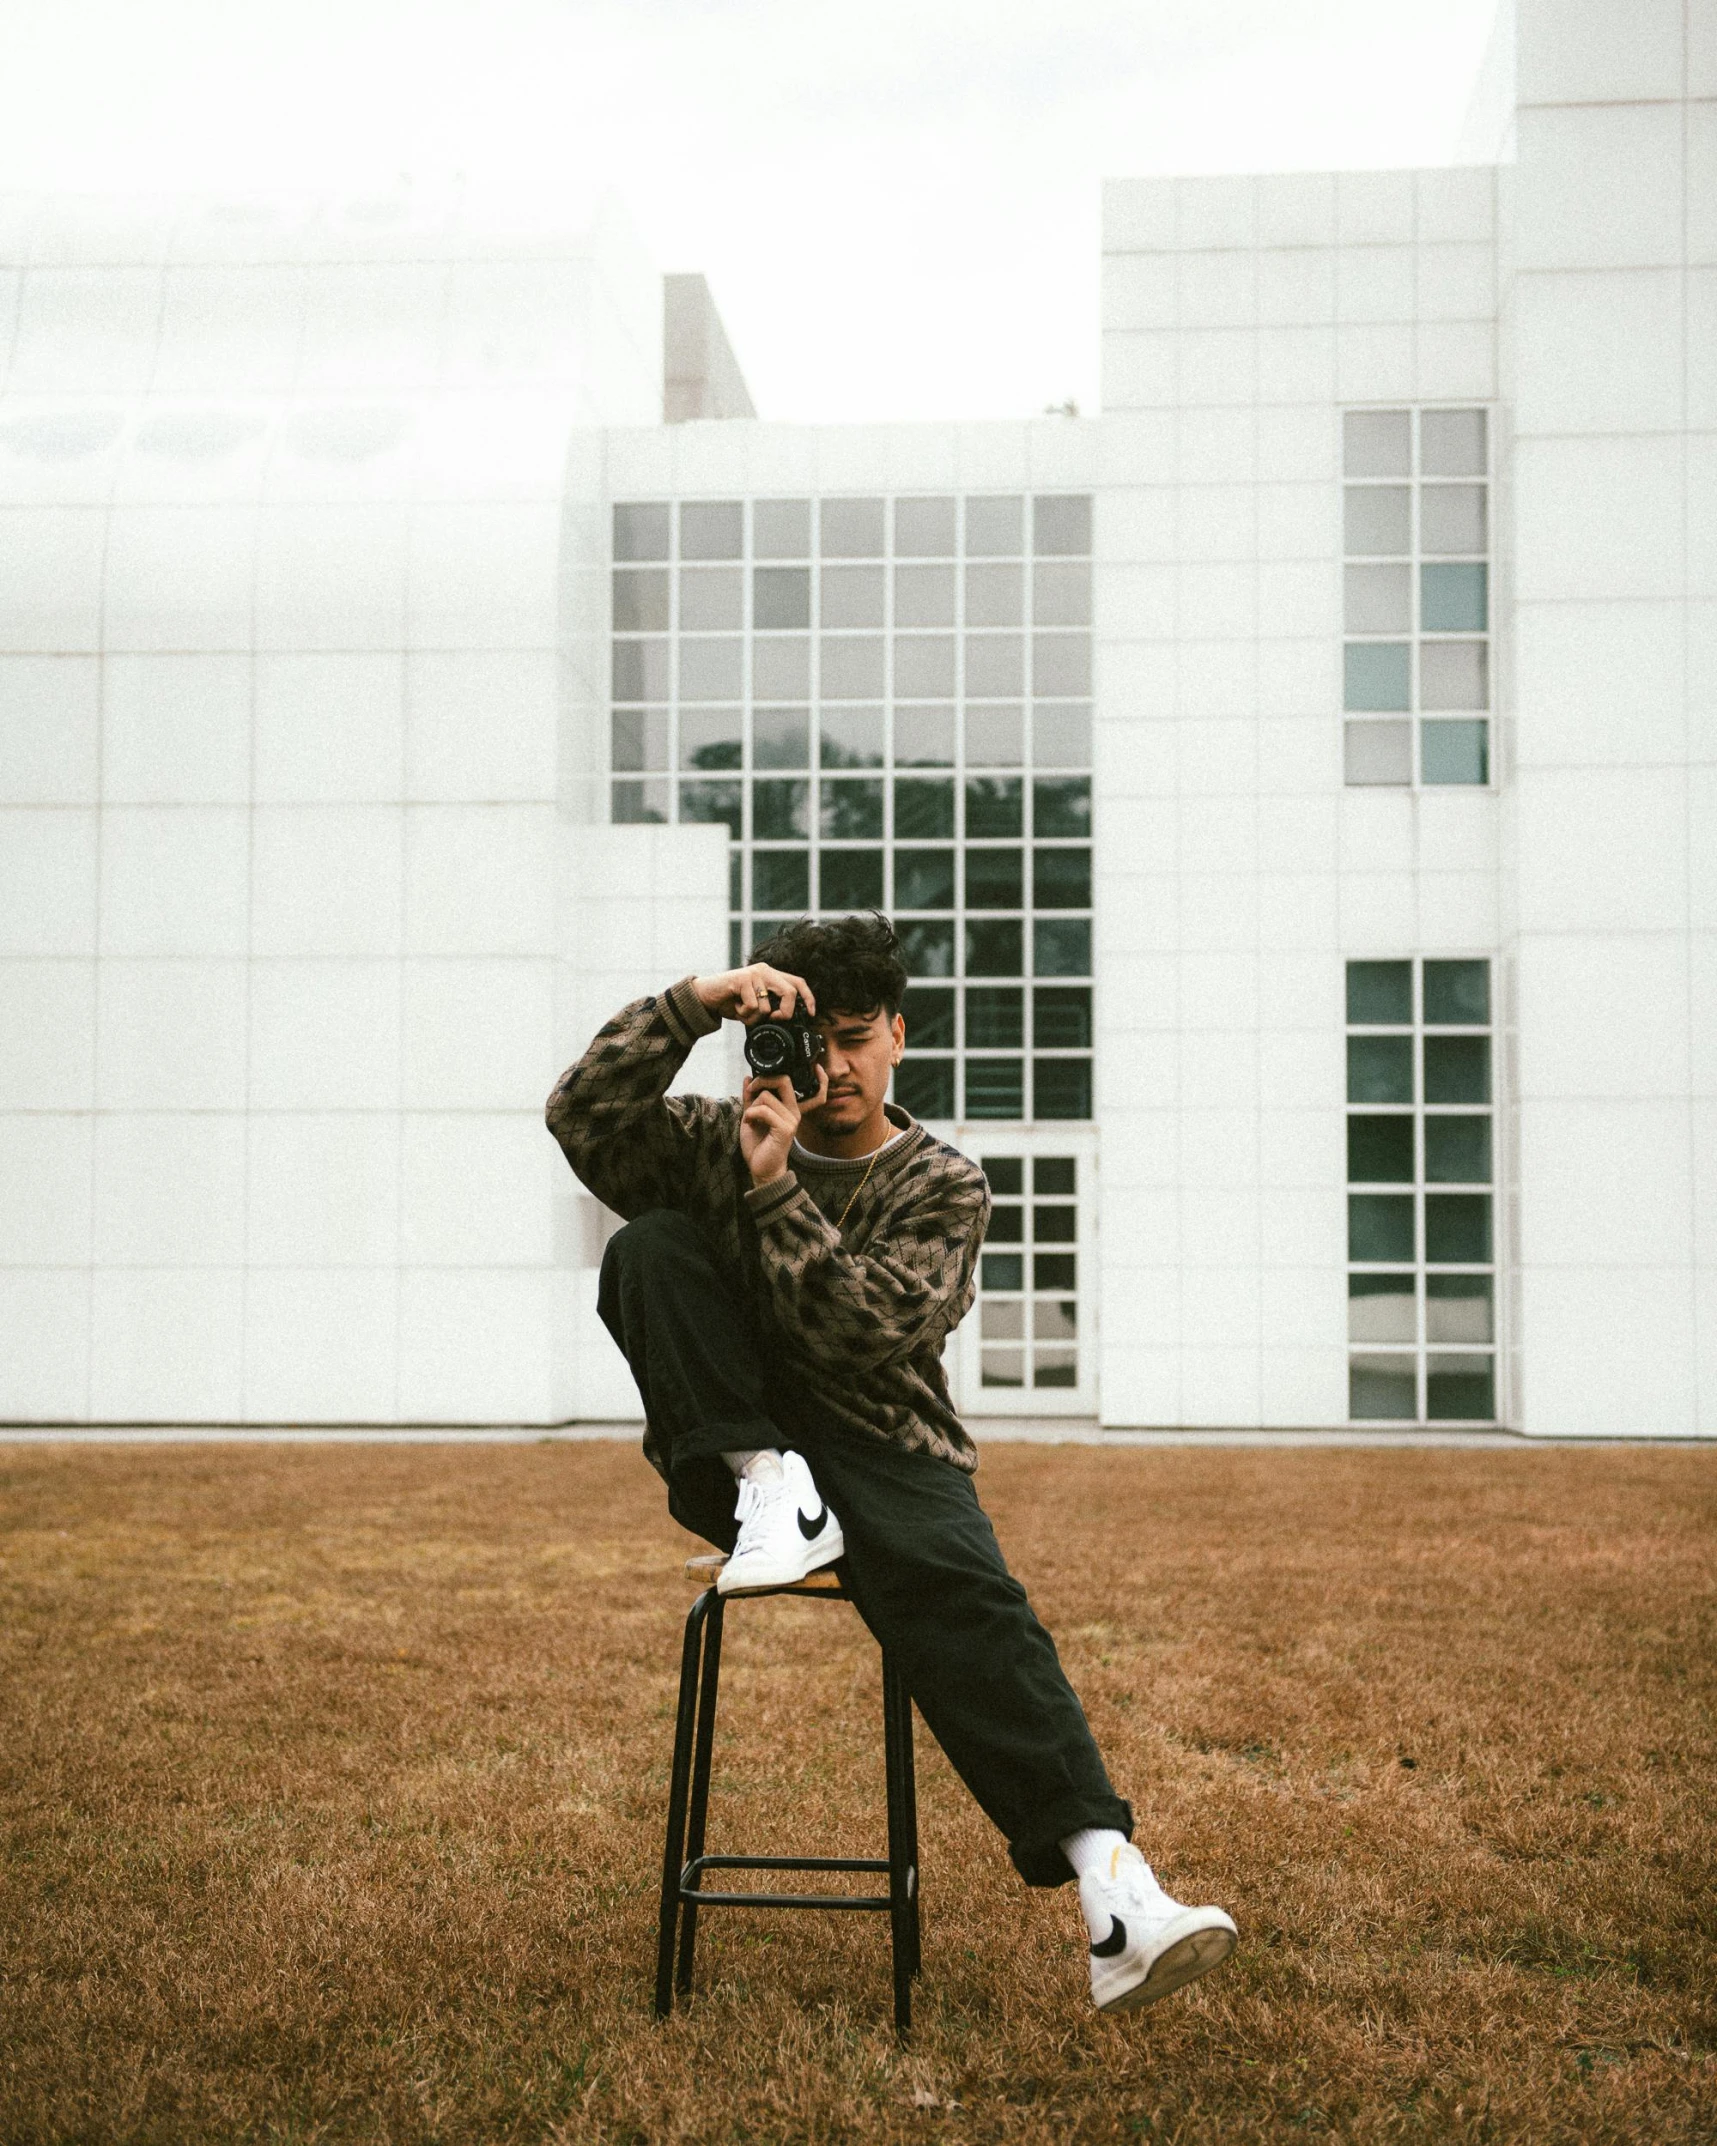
683 1859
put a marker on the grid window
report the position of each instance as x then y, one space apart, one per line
1416 658
887 703
1028 1279
1421 1199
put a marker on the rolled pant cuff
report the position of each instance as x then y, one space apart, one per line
709 1441
700 1489
1038 1857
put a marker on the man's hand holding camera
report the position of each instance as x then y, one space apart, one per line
787 1077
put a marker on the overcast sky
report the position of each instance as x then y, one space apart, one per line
896 202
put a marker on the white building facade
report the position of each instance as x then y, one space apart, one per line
1295 787
299 523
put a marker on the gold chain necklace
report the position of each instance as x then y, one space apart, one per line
859 1187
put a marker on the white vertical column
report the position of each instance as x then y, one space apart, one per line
1614 812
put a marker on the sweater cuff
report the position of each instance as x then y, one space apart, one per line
687 1016
767 1201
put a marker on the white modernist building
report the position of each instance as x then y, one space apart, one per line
1295 786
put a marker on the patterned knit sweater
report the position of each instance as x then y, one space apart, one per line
859 1312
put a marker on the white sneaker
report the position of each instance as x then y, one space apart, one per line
1154 1944
785 1530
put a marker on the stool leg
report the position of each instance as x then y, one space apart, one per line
895 1731
909 1774
708 1685
679 1783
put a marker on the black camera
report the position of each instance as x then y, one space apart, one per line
786 1044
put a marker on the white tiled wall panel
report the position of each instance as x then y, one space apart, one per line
170 1035
281 717
47 881
50 729
170 1189
45 1165
1582 52
1649 1319
1599 186
323 1189
44 1365
167 1345
325 1035
176 730
321 1345
328 729
1611 488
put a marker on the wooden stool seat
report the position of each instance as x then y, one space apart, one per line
684 1862
705 1571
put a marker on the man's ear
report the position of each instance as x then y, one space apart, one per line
899 1034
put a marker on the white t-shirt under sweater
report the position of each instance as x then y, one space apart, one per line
802 1155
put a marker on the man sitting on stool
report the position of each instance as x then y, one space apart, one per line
782 1290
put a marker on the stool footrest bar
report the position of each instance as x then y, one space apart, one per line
783 1862
691 1888
879 1902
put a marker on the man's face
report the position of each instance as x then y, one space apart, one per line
859 1050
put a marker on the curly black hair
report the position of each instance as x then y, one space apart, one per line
852 964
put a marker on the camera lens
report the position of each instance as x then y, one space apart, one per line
767 1047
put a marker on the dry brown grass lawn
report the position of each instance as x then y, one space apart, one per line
331 1787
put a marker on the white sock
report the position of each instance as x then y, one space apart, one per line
756 1464
1091 1850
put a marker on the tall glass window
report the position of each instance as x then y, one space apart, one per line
1028 1280
886 701
1416 657
1420 1210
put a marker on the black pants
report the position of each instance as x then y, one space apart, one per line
922 1562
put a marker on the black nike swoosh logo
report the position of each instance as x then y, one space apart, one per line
1115 1942
811 1529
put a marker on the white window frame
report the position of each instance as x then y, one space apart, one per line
998 1139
